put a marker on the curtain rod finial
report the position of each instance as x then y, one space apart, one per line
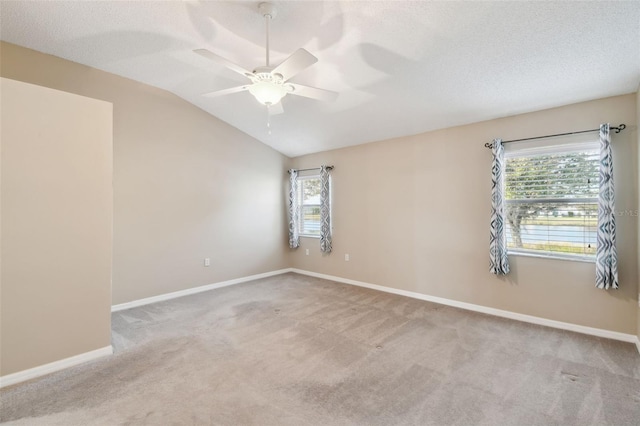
620 128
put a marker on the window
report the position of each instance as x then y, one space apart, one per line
551 199
309 202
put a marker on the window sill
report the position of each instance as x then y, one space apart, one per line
310 236
552 256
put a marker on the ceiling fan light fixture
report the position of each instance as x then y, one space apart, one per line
267 92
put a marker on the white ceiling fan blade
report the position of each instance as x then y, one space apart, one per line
222 61
226 91
313 92
299 60
276 109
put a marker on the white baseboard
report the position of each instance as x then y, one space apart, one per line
194 290
484 309
462 305
52 367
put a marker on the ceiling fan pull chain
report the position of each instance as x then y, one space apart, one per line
268 121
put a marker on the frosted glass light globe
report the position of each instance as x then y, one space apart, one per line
267 93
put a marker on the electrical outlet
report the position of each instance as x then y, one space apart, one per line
207 261
346 257
306 251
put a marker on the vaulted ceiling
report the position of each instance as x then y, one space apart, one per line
400 67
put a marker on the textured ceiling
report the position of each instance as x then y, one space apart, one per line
400 67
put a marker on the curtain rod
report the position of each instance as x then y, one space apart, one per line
617 129
305 170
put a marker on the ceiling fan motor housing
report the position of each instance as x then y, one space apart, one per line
266 73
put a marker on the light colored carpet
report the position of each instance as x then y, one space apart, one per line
294 350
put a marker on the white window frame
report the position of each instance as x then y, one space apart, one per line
539 148
301 205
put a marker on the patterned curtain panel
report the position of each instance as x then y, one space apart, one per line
325 210
606 255
498 239
293 210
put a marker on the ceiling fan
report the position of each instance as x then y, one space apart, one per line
270 84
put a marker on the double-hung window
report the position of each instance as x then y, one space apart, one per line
551 198
309 202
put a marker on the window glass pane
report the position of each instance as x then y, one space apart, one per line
309 206
552 176
551 202
310 223
311 191
568 228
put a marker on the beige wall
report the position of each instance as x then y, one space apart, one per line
186 185
413 214
638 209
183 181
57 205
